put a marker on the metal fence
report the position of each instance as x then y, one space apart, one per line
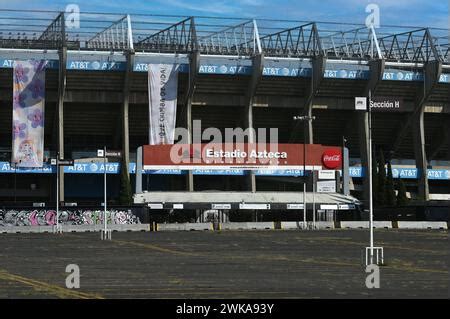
218 36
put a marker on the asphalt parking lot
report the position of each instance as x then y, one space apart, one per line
227 264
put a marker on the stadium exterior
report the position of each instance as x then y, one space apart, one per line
234 73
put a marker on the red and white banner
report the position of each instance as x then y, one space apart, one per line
240 156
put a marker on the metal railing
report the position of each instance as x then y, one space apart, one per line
410 46
118 36
241 40
442 47
53 36
359 43
21 29
301 41
178 38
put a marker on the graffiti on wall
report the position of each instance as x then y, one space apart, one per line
66 217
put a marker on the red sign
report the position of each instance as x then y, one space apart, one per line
332 158
233 156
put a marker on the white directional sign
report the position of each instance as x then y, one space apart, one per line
294 206
254 206
346 206
113 153
326 187
330 207
66 162
220 206
327 174
100 153
155 206
361 103
62 162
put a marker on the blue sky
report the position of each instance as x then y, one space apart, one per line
430 13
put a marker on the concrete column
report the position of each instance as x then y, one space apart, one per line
190 176
420 155
376 76
318 69
432 72
125 109
257 70
60 122
139 167
194 64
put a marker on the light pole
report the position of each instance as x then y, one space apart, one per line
361 104
57 192
342 164
15 182
369 170
304 119
344 140
104 198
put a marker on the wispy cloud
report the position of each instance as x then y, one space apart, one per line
204 6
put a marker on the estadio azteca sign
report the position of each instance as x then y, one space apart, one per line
240 156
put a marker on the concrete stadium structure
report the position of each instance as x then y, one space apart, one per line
235 73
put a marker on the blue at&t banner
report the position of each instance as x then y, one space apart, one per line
114 168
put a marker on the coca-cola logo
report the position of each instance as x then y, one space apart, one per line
332 158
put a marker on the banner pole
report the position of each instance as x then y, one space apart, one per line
57 192
104 181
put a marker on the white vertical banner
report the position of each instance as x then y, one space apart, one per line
162 94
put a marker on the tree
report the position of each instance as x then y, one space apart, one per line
402 200
126 196
390 192
381 191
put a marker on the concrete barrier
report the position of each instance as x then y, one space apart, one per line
365 224
421 225
45 229
247 226
80 228
126 227
185 227
291 225
299 225
73 228
19 229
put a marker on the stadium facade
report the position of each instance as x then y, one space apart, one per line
233 73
